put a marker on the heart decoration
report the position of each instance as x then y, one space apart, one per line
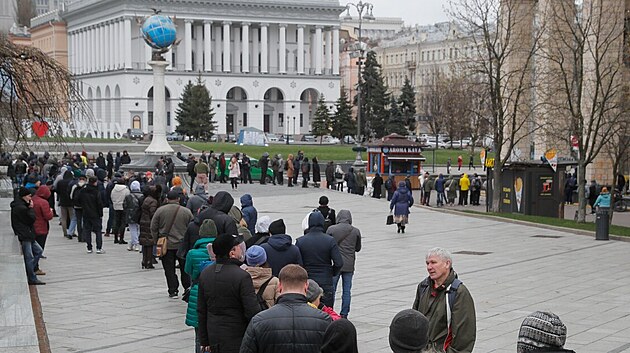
40 128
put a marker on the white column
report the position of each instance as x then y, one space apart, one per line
148 53
218 49
127 41
188 45
207 45
328 52
245 46
108 46
318 50
255 50
116 45
99 48
264 47
226 46
282 48
313 50
71 46
159 145
300 49
85 51
335 51
112 46
236 49
121 44
92 49
198 48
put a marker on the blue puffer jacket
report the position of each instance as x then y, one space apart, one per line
196 255
250 215
401 201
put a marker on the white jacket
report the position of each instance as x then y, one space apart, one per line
119 192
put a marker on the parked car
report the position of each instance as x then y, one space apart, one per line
135 134
463 143
348 139
254 169
282 138
329 139
440 144
174 136
272 138
308 138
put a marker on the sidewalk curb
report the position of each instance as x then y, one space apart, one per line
520 222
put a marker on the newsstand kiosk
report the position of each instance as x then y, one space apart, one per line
396 157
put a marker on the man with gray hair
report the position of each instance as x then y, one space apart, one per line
448 305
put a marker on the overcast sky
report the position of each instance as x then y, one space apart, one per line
411 11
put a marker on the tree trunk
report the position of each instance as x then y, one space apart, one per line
496 187
581 177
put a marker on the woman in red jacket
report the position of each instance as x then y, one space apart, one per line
43 214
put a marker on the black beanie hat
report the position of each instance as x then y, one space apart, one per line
408 332
224 243
323 201
277 227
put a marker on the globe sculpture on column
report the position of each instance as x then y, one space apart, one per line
159 33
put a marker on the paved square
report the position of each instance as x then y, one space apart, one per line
107 303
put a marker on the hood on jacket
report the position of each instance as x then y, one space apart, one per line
246 201
280 242
43 192
223 201
236 214
344 216
67 175
135 186
465 176
316 220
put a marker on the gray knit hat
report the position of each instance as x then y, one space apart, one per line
408 332
541 330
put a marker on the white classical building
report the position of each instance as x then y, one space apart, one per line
265 62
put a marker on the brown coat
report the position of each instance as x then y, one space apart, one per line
149 206
290 169
259 276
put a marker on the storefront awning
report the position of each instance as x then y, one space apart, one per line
409 158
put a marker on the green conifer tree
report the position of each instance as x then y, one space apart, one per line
407 102
342 122
321 120
195 113
395 123
374 99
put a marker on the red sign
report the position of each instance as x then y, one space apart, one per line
40 128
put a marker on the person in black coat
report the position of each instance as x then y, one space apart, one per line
65 203
291 325
280 249
169 172
263 163
226 298
317 177
377 184
110 165
22 222
100 161
306 171
321 256
125 158
90 200
330 175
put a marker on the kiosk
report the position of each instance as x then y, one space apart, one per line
396 157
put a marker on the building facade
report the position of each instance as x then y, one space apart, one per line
264 63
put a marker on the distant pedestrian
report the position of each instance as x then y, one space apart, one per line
191 163
439 189
222 167
471 162
427 187
290 168
464 186
202 170
152 200
448 166
250 214
317 176
475 189
43 214
330 175
350 180
593 192
90 200
263 164
390 187
246 174
399 206
22 222
460 161
133 212
377 185
306 172
361 181
235 171
339 177
118 194
212 167
276 167
451 187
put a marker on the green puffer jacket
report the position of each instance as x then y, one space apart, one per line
195 256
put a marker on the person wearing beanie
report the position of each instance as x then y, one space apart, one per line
321 256
117 196
452 327
133 212
92 205
262 232
291 325
408 332
340 337
65 202
250 214
262 277
542 332
241 225
77 220
198 254
171 221
227 299
314 295
280 249
327 212
22 222
198 199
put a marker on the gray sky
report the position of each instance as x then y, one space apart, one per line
411 11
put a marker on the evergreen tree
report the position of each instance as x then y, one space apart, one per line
374 99
321 121
195 112
396 122
342 122
407 102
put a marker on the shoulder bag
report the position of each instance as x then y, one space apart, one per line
162 243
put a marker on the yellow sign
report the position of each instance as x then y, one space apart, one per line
489 162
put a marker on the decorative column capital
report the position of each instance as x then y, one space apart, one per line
188 20
336 28
125 18
264 24
227 23
246 24
207 22
319 27
282 25
301 26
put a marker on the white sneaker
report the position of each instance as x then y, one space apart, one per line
100 251
89 251
130 247
136 247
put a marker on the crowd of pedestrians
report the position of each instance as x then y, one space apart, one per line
248 286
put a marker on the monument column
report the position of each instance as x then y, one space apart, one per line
300 49
328 52
188 45
226 46
199 48
264 47
127 41
245 47
112 45
159 145
207 45
282 48
335 51
218 58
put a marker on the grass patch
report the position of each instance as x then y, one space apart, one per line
566 223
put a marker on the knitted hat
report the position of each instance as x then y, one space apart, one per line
173 195
135 185
262 224
235 213
23 192
323 200
541 330
408 332
224 243
277 227
148 174
313 291
256 256
89 173
208 229
200 189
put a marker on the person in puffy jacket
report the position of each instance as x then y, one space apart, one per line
90 201
280 249
43 214
250 214
150 204
257 267
291 325
399 205
118 194
22 221
133 207
65 203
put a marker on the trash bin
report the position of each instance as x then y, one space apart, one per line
601 224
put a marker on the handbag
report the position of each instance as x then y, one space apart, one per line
390 220
162 242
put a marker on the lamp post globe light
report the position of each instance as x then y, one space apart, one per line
361 7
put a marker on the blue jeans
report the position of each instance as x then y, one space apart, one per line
32 253
346 279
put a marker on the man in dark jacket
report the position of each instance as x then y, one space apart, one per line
246 175
290 326
65 202
250 214
330 175
321 256
90 201
280 249
348 239
263 163
226 298
22 222
327 212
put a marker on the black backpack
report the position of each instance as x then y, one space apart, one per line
259 295
451 293
76 194
286 165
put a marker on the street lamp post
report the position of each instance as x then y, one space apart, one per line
360 7
293 128
288 123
